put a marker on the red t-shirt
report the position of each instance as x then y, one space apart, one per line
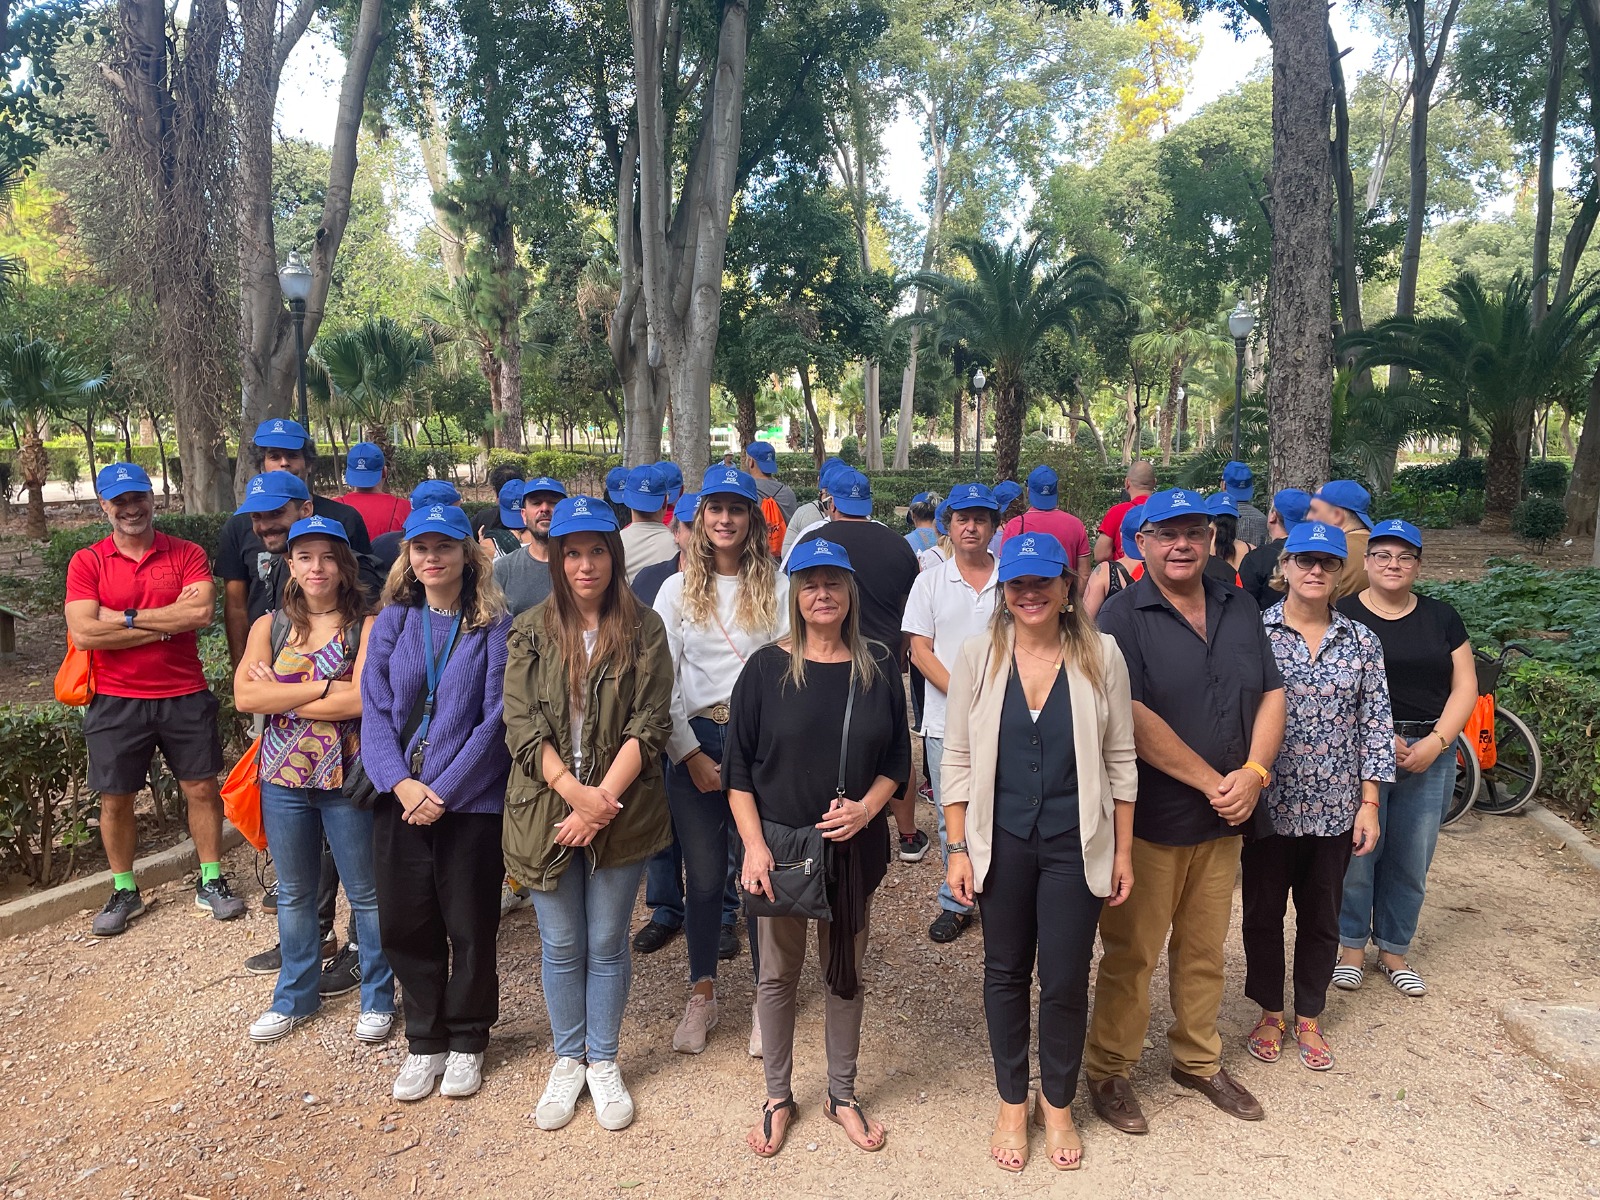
1062 526
104 574
380 512
1112 525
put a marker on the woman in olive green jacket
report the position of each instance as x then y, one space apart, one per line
588 701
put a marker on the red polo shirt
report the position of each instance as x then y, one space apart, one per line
381 512
104 574
1111 526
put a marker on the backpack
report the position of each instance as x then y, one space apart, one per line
777 527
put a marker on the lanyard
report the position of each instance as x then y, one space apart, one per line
434 662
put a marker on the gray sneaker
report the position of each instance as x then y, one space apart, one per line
699 1019
125 904
416 1078
218 897
463 1075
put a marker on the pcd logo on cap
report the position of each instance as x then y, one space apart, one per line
822 547
731 476
256 488
1395 527
122 473
972 491
277 427
1179 500
317 523
361 464
1027 547
1319 533
436 513
580 507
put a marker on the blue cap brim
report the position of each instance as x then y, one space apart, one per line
853 508
356 478
281 441
640 502
583 525
1030 567
1042 501
123 487
511 518
265 503
1240 495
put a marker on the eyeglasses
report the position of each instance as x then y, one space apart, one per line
1317 562
1195 535
1383 558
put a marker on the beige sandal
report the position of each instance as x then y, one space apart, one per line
1058 1140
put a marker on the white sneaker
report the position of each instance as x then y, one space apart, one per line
613 1107
463 1075
699 1019
416 1078
374 1026
513 898
755 1032
561 1094
270 1026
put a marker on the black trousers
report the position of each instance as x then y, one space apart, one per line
328 897
1312 870
1035 904
439 910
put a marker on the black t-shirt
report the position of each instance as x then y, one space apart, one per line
1221 571
648 582
1256 568
885 568
783 744
1416 654
241 555
385 549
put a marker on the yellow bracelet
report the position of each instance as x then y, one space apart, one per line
1266 775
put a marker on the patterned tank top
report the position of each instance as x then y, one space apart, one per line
297 752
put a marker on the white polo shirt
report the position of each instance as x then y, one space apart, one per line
944 607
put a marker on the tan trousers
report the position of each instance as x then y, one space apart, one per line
783 955
1189 891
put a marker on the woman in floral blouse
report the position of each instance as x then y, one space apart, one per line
1338 745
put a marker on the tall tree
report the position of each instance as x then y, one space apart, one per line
37 380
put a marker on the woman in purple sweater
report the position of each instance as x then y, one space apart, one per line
432 739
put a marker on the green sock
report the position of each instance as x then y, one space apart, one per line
210 871
123 881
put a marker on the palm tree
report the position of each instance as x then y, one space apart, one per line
1491 361
1004 312
1179 342
12 270
37 380
368 371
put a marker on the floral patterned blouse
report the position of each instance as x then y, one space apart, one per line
1339 729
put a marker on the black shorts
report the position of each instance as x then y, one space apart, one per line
123 733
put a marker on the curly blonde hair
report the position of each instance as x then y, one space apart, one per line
756 609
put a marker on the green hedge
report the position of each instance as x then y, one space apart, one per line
1563 706
569 466
45 810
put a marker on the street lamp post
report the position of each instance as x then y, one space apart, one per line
1240 322
979 382
294 277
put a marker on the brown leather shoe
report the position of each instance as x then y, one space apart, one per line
1113 1100
1224 1091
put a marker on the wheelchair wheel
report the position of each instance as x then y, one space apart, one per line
1469 779
1510 784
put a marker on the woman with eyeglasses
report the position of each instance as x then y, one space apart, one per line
1322 803
1433 686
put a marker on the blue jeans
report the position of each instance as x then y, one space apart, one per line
1383 890
933 750
663 882
586 965
296 821
704 825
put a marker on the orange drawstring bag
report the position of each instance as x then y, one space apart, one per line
241 796
75 676
1480 732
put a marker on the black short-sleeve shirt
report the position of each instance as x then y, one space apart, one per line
1416 654
885 568
241 555
1207 691
1256 570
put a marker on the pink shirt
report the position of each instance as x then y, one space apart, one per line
1062 526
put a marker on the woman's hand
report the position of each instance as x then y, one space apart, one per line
958 874
705 772
1121 877
845 819
261 672
595 805
574 830
755 878
1420 755
1365 833
421 803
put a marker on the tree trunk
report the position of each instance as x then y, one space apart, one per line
1549 121
1502 472
1583 489
1010 403
851 148
958 404
744 420
1169 408
1299 303
35 464
930 256
1130 437
818 453
873 417
908 390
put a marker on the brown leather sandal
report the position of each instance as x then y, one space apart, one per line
1010 1139
1057 1141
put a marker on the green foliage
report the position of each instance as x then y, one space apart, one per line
203 529
46 813
925 454
1539 518
569 466
1560 704
1456 475
1554 613
1546 477
850 451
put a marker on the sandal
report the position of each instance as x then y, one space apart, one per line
1406 981
1059 1141
1347 978
1314 1058
1010 1139
1268 1051
768 1111
854 1105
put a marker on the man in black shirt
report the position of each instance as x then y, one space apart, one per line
1256 568
1208 715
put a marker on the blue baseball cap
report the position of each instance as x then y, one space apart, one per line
819 552
729 481
827 470
363 466
939 515
672 476
511 504
1043 487
920 497
646 489
434 491
616 481
1132 522
543 484
1221 504
764 456
282 433
851 493
1291 505
271 491
320 526
1032 554
971 495
1314 535
1006 493
684 510
1174 502
582 514
1404 531
120 478
1238 481
438 518
1349 495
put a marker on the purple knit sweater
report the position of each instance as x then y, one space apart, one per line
466 761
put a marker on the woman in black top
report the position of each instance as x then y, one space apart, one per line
1433 687
781 764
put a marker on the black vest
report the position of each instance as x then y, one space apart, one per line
1036 777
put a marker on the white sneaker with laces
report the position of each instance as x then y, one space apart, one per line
463 1075
561 1094
513 898
613 1107
374 1026
270 1026
417 1076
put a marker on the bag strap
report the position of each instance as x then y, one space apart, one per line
844 742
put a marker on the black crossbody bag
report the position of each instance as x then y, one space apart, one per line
802 859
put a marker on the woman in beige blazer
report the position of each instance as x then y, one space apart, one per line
1039 784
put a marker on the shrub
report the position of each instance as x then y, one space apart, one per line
1457 475
45 811
203 529
1560 704
850 451
70 468
1538 519
1546 477
926 454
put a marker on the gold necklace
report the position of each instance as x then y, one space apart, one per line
1056 661
1387 612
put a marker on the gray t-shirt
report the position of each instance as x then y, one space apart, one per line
523 578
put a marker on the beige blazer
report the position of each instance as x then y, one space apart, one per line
1102 730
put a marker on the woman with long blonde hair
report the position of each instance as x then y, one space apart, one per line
1038 789
728 602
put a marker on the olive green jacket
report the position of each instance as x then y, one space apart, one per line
631 702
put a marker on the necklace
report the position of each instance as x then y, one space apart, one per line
1392 614
325 612
1055 661
443 612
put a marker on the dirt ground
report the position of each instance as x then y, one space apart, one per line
126 1072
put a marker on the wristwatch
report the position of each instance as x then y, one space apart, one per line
128 614
956 848
1444 742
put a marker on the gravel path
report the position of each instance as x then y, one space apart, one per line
125 1071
